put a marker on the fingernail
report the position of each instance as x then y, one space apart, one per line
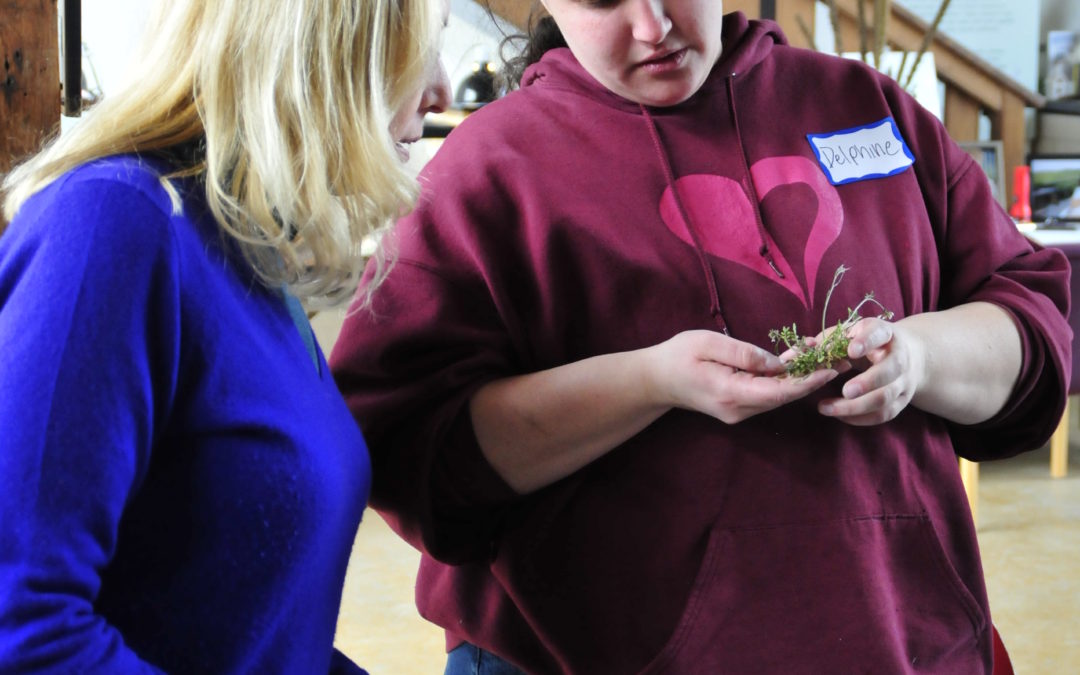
856 350
826 409
851 390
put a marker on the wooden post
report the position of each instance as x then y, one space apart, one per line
969 474
71 50
961 116
1059 446
30 80
1008 125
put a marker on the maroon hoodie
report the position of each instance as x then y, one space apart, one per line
548 232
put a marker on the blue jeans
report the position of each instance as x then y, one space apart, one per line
468 659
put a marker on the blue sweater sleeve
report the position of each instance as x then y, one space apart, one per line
89 338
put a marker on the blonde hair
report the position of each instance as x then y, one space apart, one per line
294 100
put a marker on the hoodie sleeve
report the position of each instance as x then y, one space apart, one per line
88 300
409 363
984 257
1031 284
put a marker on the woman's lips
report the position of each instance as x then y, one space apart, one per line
665 62
402 148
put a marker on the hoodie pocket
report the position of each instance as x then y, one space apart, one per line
869 594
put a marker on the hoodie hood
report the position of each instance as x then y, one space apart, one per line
745 44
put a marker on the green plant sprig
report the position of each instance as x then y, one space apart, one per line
833 348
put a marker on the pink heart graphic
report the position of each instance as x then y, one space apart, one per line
727 224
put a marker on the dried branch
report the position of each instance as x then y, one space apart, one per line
834 19
882 9
900 68
927 39
805 30
862 29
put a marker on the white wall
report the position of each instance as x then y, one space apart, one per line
470 36
1003 32
112 30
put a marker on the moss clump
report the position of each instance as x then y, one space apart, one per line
833 348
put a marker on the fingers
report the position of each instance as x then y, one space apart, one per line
748 395
729 379
788 389
757 360
884 372
875 407
876 395
738 354
869 335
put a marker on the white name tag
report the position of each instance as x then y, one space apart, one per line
861 153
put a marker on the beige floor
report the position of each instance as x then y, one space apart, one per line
1029 533
1029 530
379 627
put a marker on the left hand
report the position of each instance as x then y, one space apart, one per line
893 365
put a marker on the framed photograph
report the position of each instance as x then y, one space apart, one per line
1062 64
1055 188
990 156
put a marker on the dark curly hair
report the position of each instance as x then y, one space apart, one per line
542 34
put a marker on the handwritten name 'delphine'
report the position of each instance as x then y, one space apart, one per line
856 153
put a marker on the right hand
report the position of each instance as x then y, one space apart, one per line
725 378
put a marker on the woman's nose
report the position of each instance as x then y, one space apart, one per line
436 98
650 22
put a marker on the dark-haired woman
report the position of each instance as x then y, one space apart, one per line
569 394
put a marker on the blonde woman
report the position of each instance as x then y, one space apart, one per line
180 482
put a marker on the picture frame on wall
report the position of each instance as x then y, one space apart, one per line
1055 189
1062 64
990 155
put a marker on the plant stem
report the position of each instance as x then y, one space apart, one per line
834 19
882 9
837 276
927 39
805 30
862 29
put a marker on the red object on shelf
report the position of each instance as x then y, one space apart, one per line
1021 206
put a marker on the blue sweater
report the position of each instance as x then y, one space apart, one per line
180 484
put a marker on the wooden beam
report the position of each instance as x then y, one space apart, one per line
961 115
30 80
1008 125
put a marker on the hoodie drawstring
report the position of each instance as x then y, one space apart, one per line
764 251
706 268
